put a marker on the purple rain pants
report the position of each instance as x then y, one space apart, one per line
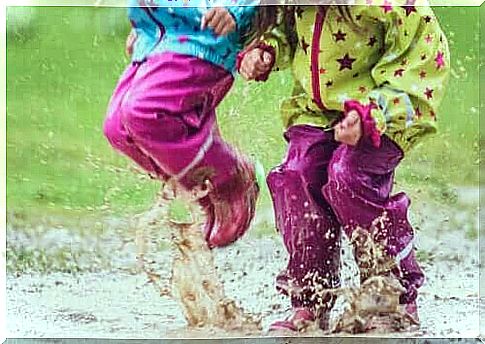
323 187
162 116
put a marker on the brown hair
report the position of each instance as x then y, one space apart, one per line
265 19
344 11
270 16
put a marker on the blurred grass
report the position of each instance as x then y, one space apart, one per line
63 65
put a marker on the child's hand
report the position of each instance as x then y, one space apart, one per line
130 41
220 20
255 63
349 130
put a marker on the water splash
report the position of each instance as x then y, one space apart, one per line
194 282
374 307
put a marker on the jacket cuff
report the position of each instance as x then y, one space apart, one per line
265 47
369 125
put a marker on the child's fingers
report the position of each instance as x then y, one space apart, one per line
253 64
342 132
267 58
347 135
225 25
207 18
228 28
220 20
130 41
214 20
349 122
337 136
256 61
230 24
203 23
243 69
246 70
244 73
248 73
260 66
353 114
344 138
220 26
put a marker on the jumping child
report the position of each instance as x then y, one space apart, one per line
162 113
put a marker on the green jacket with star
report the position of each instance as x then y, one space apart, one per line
392 58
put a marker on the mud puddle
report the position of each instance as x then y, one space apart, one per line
117 302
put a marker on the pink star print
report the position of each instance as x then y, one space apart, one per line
428 38
387 7
440 61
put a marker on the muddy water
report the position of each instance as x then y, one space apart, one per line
194 283
118 302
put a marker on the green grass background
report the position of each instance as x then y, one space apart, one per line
63 65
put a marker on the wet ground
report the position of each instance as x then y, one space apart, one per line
107 298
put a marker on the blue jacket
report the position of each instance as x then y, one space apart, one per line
160 28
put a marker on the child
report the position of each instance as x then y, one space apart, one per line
162 112
374 75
